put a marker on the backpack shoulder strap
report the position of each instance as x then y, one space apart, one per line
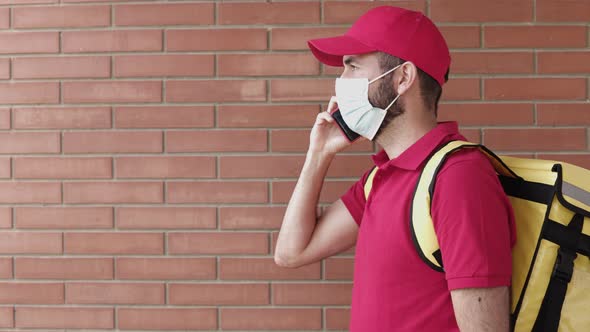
369 182
421 225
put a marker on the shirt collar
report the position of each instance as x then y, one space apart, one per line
414 156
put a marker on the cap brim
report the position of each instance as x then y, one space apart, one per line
330 51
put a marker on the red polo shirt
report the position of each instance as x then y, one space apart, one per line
394 290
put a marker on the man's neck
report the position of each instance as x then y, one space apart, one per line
403 132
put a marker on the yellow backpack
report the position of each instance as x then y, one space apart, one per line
551 259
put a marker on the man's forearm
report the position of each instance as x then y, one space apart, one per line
301 215
482 309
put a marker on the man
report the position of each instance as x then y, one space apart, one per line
395 63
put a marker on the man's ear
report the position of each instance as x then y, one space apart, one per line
406 77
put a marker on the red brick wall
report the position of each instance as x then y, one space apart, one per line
149 148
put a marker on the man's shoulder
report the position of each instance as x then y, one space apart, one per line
468 161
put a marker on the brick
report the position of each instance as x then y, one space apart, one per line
5 19
166 218
271 319
111 41
563 114
164 117
7 317
29 142
535 88
264 269
219 294
217 91
265 116
63 217
113 192
112 141
61 117
64 317
536 139
562 11
349 166
337 319
61 17
267 64
260 166
4 69
216 141
25 2
165 167
62 168
5 218
332 71
166 268
113 243
267 217
461 89
287 140
216 40
5 172
331 191
482 114
349 11
540 36
302 89
461 37
472 135
6 272
63 268
217 192
85 1
112 92
29 42
31 293
217 243
115 293
492 63
163 65
61 67
338 268
580 160
296 38
312 294
4 118
167 319
481 11
29 93
563 62
269 13
165 14
30 192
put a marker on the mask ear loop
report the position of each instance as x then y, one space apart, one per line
385 73
390 104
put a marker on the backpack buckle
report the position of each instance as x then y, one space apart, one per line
564 265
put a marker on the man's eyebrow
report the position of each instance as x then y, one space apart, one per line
350 60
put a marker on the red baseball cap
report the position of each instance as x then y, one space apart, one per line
403 33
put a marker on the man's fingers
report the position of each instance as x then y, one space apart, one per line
324 117
332 105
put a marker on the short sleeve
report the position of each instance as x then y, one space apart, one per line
354 199
474 223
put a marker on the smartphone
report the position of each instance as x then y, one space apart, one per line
350 135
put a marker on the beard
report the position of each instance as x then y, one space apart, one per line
383 96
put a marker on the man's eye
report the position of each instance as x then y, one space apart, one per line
353 67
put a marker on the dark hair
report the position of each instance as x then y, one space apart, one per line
429 87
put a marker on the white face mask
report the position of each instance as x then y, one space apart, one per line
352 95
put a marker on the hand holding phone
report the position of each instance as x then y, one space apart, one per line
350 135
